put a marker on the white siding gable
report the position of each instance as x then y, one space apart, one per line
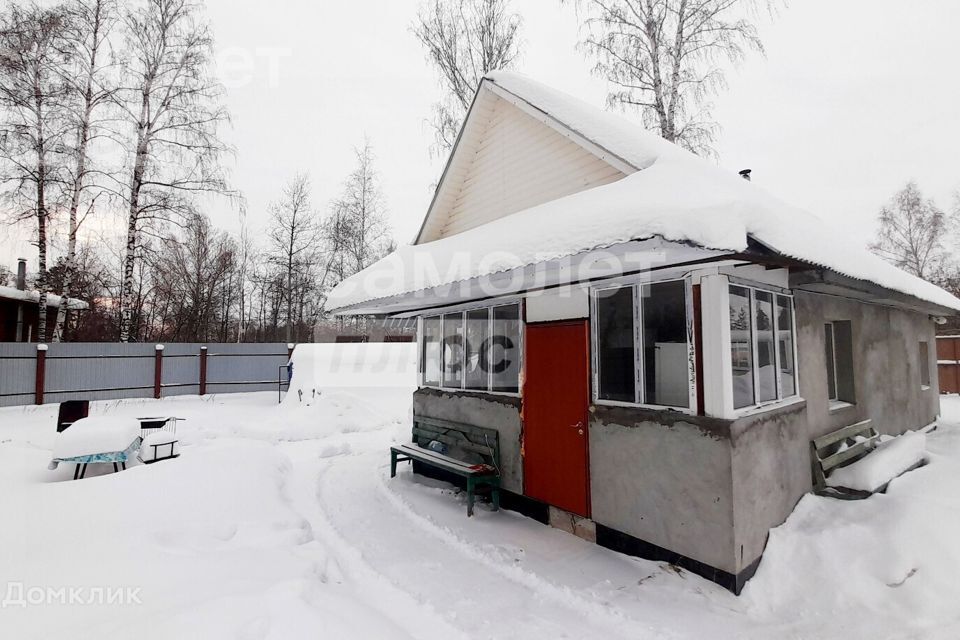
508 160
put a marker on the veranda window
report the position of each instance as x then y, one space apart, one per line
477 350
641 342
761 346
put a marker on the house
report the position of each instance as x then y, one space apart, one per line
19 310
655 340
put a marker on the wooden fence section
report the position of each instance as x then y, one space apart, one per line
34 374
948 363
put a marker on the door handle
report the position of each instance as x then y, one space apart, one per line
578 427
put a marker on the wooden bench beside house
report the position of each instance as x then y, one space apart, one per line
828 453
470 439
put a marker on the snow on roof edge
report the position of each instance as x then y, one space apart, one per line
53 300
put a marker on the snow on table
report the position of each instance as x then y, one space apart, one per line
883 464
96 434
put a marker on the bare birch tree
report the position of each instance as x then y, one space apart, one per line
32 125
363 235
664 58
174 106
912 234
91 86
294 236
465 40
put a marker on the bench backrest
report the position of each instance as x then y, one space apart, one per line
480 440
826 452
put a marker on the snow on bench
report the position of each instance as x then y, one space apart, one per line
887 461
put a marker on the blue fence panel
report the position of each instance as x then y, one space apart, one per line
244 367
98 371
181 370
18 373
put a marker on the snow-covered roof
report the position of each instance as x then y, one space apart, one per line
673 194
11 293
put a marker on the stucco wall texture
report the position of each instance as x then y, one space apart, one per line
714 493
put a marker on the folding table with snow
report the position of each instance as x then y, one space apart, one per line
98 439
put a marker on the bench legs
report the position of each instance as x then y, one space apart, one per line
470 488
394 459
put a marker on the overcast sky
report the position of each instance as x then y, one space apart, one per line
853 99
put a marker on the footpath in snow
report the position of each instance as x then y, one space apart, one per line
281 521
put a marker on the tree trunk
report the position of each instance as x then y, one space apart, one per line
129 258
41 215
83 138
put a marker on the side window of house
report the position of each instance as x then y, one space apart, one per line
741 347
477 349
615 344
641 342
924 363
504 349
838 345
430 350
761 346
785 349
453 350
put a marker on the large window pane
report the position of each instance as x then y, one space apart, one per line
666 361
615 346
766 357
477 360
453 350
785 346
741 344
504 351
430 356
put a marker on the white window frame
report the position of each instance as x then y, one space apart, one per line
463 310
780 399
639 387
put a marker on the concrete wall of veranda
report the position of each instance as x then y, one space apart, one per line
771 451
498 412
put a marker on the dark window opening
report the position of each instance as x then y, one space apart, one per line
838 348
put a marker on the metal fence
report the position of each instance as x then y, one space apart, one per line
32 374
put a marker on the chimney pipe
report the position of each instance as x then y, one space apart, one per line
745 174
21 273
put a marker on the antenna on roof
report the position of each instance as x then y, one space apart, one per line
745 174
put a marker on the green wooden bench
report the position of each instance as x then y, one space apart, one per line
477 440
828 452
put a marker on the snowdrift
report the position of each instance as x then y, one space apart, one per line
320 366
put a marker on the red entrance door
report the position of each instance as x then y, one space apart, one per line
555 399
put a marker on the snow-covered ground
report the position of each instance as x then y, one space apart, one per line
281 521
